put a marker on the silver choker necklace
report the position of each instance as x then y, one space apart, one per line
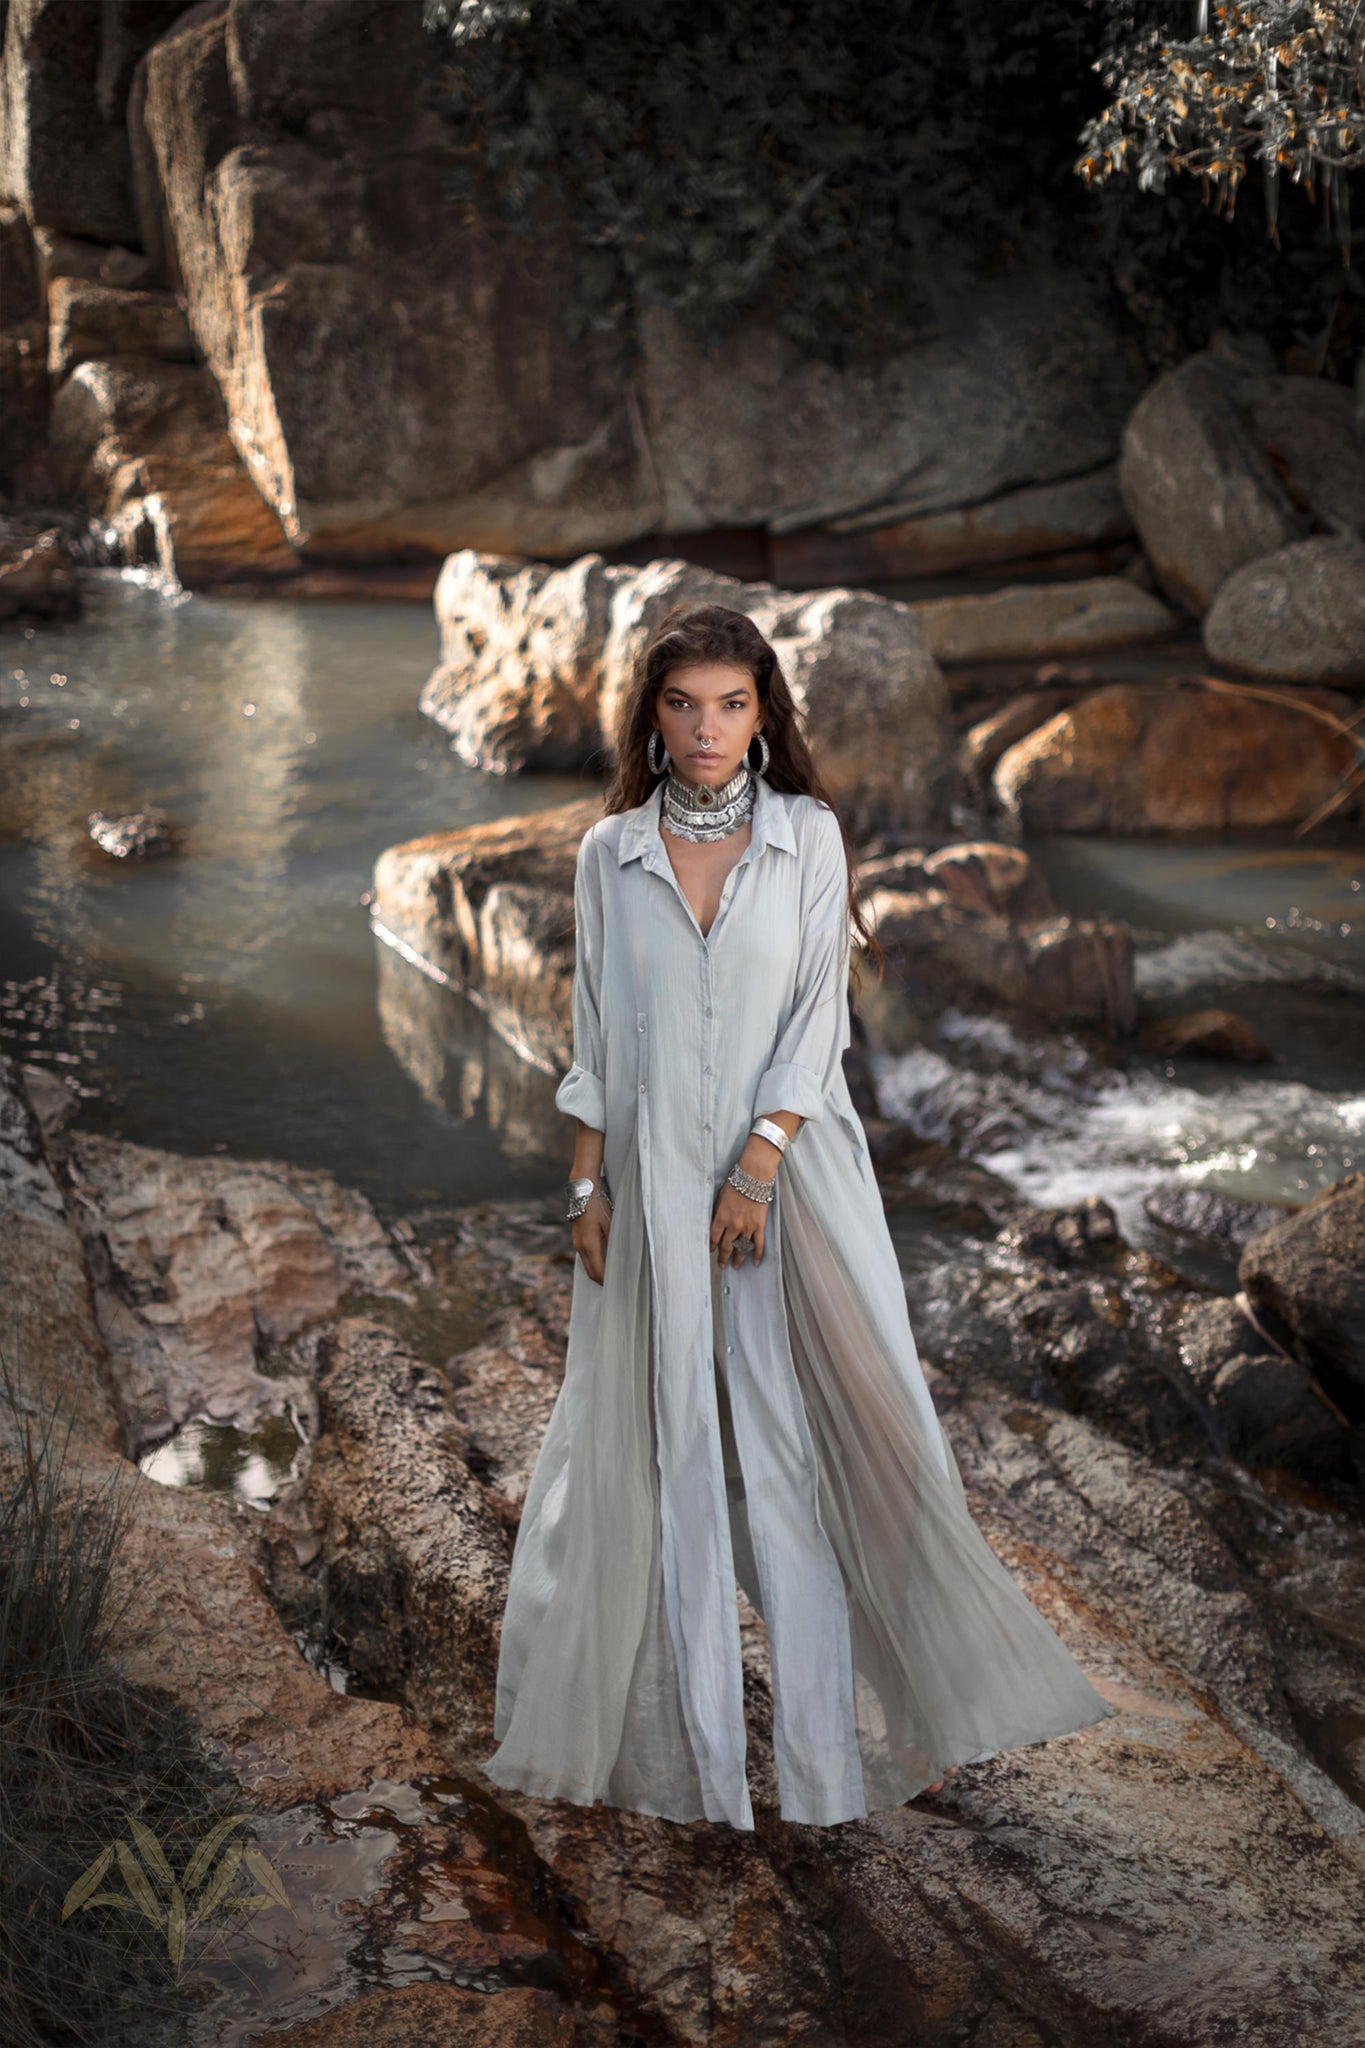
708 813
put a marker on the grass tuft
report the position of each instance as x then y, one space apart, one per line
91 1767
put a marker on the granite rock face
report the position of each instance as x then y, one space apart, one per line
143 441
65 74
396 378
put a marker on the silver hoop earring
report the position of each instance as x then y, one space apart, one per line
762 769
655 767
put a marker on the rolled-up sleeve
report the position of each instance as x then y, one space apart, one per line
811 1044
582 1093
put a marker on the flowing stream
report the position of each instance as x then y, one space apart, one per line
231 997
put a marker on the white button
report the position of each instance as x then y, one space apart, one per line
642 1087
706 1127
706 1070
639 1027
726 1288
729 1347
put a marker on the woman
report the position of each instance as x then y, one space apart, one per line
742 1396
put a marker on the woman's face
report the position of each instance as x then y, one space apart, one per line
707 715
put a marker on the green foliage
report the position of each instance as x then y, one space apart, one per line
1274 83
84 1759
827 161
847 168
1266 93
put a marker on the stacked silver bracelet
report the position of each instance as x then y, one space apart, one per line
748 1183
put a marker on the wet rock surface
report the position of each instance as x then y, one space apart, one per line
36 577
144 443
978 919
1189 1865
1310 1272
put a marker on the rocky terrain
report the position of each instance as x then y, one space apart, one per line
245 342
1174 1479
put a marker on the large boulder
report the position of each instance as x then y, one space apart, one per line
1260 1405
296 182
65 71
1030 620
977 923
1203 495
1138 758
520 672
144 442
535 666
1308 429
1310 1272
490 910
1297 615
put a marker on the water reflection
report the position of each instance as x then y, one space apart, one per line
255 1465
241 1000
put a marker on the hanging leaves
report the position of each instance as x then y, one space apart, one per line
1278 84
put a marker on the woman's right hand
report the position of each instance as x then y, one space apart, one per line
590 1233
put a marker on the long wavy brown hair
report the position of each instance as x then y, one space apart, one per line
687 637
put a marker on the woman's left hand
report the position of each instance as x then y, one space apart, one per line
735 1216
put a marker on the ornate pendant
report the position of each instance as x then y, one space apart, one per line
708 813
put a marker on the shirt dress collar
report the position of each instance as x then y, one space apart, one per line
641 833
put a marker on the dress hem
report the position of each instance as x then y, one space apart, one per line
535 1785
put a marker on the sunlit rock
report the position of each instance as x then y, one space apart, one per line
202 1267
144 442
536 665
88 322
490 908
1140 758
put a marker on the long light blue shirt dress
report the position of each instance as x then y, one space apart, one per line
764 1423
